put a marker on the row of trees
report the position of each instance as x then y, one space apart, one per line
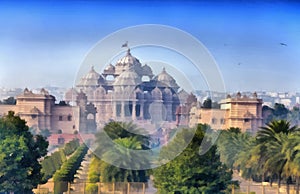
273 154
280 112
68 169
50 164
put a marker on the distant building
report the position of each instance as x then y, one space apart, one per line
40 112
244 112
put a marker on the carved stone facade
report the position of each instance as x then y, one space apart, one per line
244 112
129 91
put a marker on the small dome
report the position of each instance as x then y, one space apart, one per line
128 78
183 96
147 71
110 69
92 78
71 94
165 80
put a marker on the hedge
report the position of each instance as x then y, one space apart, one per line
52 163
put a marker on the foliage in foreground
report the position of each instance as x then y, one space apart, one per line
69 168
20 170
125 138
190 172
52 163
273 154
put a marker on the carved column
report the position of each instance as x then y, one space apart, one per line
142 110
122 109
133 110
114 107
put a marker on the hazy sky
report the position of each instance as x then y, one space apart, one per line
256 45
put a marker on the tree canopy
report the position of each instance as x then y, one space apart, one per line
207 103
125 139
272 154
9 101
190 172
20 170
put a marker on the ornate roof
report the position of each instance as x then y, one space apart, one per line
110 69
126 62
128 78
92 78
147 71
183 95
100 92
71 94
165 80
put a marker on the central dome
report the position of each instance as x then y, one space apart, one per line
126 62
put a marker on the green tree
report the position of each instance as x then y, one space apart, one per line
124 154
267 133
207 103
20 170
9 101
270 144
45 132
294 116
118 143
190 172
115 130
231 143
280 111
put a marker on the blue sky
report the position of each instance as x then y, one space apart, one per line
44 43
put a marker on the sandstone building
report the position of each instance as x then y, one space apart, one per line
40 112
244 112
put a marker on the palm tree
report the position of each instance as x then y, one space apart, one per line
270 139
267 133
128 158
230 144
291 148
